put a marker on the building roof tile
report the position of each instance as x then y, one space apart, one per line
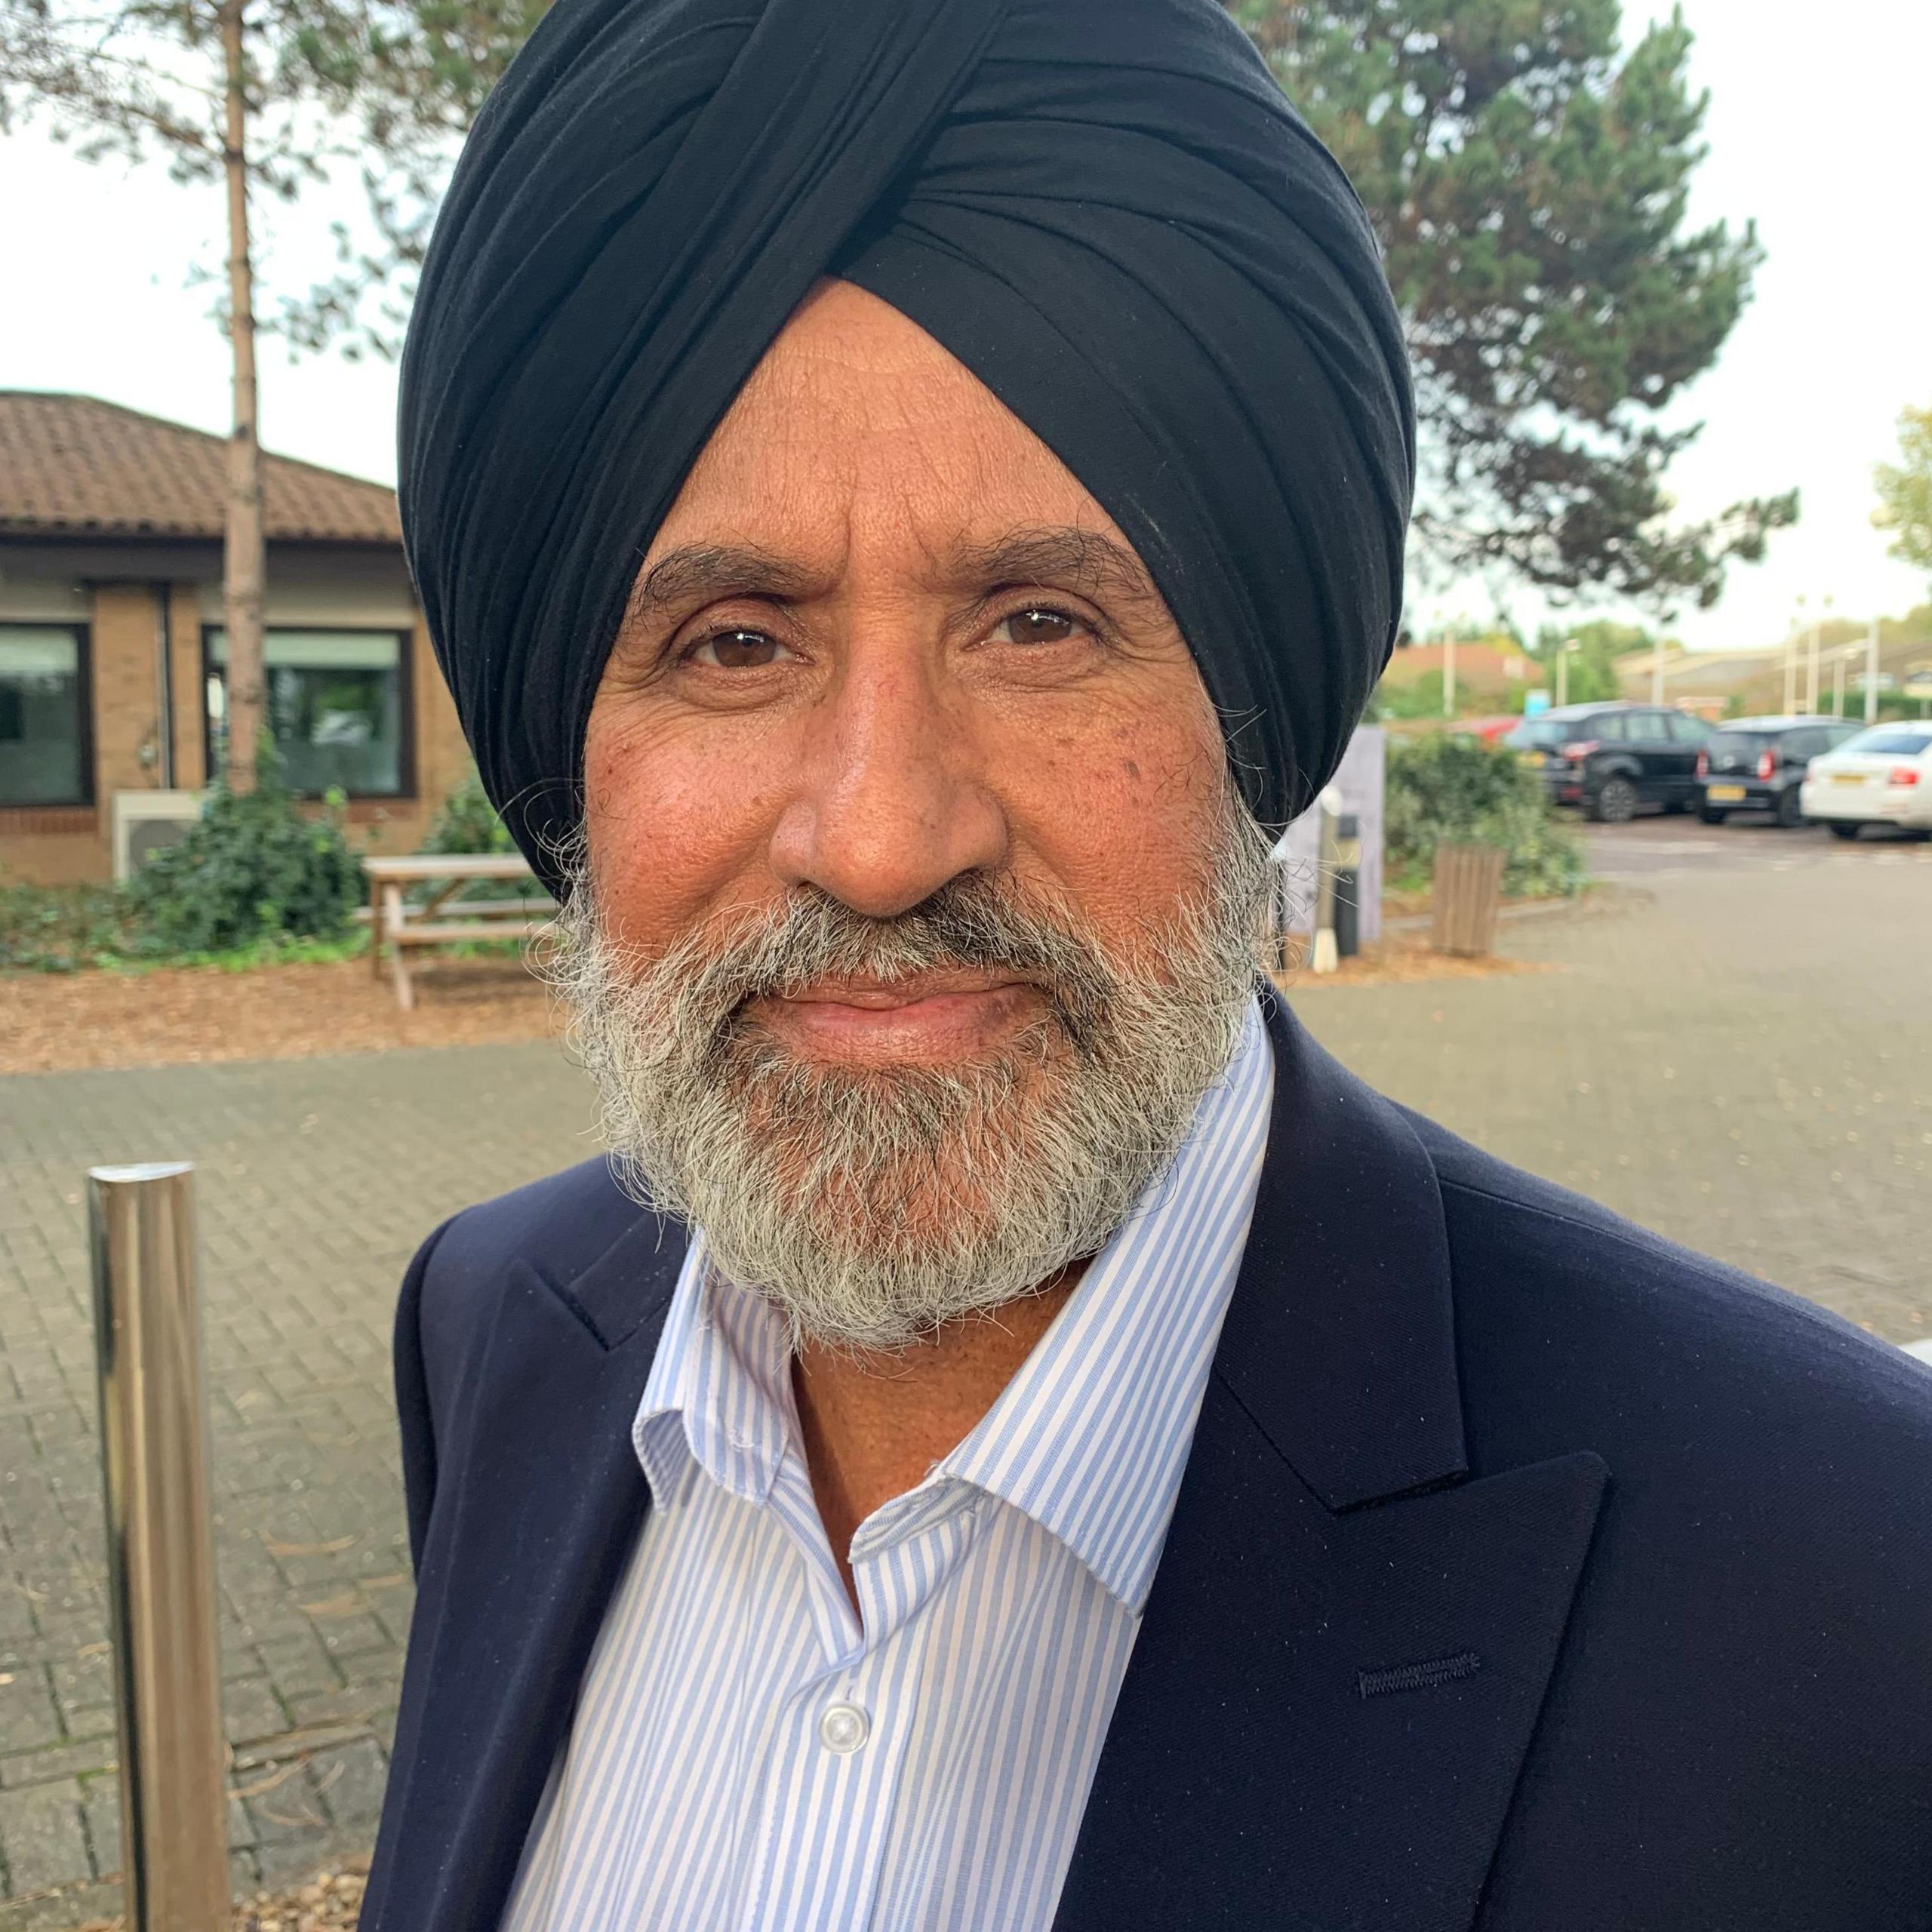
74 466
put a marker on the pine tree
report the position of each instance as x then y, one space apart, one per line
1529 181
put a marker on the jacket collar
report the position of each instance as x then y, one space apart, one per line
1341 1340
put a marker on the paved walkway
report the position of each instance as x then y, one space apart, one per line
1737 1051
315 1181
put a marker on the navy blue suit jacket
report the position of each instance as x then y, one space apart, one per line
1530 1575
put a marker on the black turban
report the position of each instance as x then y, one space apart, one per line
1104 208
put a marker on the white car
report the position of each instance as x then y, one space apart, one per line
1882 776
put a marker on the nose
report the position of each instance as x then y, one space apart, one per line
892 800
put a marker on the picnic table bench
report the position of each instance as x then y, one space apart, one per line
398 925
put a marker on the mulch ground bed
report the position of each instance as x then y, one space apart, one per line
169 1016
1404 959
330 1903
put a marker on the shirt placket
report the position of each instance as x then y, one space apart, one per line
836 1751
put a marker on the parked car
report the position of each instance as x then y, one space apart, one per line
1881 777
1757 764
1612 759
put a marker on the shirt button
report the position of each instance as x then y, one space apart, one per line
843 1728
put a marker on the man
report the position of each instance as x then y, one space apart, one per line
904 495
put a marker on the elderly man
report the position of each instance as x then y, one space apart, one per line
1014 1437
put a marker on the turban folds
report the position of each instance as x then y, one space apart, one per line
1105 209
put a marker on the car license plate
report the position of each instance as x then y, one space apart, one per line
1848 778
1725 794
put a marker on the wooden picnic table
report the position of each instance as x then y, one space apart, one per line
394 922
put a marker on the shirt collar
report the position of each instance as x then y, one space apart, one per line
1090 1438
720 1387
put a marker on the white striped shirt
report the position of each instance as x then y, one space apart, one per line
747 1755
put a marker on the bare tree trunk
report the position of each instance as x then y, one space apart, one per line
245 557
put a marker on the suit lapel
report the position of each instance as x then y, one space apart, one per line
1341 1664
519 1564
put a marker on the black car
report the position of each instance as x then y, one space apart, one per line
1612 759
1756 765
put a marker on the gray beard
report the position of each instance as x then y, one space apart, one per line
869 1206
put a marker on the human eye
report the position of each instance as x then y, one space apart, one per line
1036 624
736 649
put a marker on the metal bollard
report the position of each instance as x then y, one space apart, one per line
160 1548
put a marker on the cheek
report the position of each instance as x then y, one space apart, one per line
678 823
1120 810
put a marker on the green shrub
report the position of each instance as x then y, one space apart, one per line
61 928
1451 789
468 823
254 868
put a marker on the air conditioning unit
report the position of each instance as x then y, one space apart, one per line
143 822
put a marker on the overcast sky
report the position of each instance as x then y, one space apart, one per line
1819 133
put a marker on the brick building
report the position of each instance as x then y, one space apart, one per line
112 643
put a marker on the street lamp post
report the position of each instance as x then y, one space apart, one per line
1791 659
1811 672
1872 672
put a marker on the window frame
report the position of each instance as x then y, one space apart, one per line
405 639
83 633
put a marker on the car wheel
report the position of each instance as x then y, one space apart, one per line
1713 814
1614 802
1788 812
1847 828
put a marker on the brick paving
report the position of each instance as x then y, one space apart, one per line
1736 1050
315 1181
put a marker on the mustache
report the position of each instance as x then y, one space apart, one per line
975 922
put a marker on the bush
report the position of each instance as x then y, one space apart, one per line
468 823
61 928
1449 790
254 868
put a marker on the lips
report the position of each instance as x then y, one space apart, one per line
932 1019
881 995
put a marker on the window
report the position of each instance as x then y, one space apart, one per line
45 756
337 704
1888 741
1606 728
1685 729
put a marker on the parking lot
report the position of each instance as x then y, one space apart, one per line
1730 1041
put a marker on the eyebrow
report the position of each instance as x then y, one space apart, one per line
1060 554
699 573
